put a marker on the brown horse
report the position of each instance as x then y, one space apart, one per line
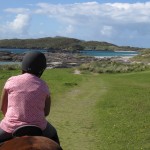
30 143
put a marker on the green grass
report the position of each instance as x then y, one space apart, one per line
61 80
124 112
98 111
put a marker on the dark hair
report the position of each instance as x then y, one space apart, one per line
34 62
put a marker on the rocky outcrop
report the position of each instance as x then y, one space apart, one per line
8 56
54 60
5 56
66 60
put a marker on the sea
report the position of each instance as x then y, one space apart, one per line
95 53
102 53
20 51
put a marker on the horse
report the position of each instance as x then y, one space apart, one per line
29 137
30 143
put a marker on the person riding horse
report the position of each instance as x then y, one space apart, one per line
26 99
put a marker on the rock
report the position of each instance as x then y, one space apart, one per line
54 60
5 58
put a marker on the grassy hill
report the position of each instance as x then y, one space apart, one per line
61 43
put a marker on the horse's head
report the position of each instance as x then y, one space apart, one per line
30 142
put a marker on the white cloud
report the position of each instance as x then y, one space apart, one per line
106 30
138 12
17 27
109 14
17 10
130 13
19 24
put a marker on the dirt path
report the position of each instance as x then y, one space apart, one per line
76 111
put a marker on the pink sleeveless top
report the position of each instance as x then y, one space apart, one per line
26 101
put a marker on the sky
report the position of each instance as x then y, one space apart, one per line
120 22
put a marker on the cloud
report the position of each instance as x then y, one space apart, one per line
137 12
18 26
17 10
70 13
99 16
106 30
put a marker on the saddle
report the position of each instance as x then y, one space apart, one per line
27 130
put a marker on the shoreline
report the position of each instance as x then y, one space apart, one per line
61 60
72 63
125 58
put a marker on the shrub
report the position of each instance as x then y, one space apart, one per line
109 66
10 67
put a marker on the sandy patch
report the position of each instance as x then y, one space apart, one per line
77 72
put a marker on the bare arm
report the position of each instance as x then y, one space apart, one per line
4 101
47 106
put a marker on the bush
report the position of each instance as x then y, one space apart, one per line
109 66
10 67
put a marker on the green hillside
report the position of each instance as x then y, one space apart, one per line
61 43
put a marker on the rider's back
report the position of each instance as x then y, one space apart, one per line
27 94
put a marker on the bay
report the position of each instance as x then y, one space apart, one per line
96 53
9 63
20 51
101 53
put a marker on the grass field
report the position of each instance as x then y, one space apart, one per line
98 111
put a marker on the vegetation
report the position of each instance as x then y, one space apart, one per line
98 112
10 67
140 62
61 43
109 66
144 56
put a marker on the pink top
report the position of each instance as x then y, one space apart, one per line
26 101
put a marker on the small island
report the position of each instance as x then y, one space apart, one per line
63 44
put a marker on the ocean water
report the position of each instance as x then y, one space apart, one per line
83 52
20 51
109 53
9 63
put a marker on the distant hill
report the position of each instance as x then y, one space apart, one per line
61 44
